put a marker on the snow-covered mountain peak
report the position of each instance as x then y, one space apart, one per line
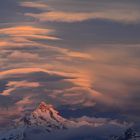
46 110
46 113
43 107
44 116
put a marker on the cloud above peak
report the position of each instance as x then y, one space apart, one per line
21 34
70 17
80 54
119 12
37 4
27 87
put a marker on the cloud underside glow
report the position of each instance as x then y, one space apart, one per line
81 54
27 87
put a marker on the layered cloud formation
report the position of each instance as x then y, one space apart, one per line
25 88
83 55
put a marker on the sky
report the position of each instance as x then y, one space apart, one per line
82 56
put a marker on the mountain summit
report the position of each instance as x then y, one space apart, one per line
44 119
44 116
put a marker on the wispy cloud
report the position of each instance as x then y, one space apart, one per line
70 17
58 87
119 12
16 55
37 4
21 33
70 52
13 85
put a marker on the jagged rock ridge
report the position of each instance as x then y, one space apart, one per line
44 118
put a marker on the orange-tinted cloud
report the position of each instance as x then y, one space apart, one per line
61 16
20 84
80 79
120 12
22 32
16 55
3 43
21 70
24 35
39 5
80 93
